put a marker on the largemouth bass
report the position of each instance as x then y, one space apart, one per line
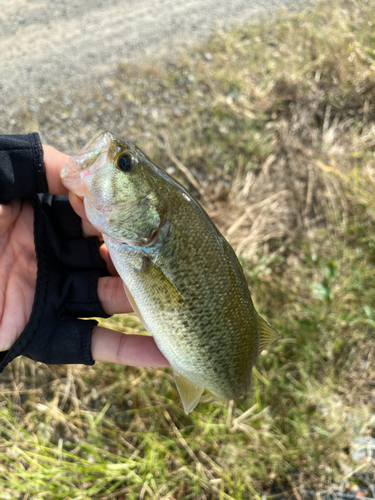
182 277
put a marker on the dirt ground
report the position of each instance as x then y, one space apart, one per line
54 44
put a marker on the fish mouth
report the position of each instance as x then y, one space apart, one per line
71 179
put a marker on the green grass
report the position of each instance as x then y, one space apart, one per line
274 120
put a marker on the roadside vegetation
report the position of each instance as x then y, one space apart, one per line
271 126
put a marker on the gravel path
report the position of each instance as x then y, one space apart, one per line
49 45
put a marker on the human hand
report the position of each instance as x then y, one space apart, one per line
18 273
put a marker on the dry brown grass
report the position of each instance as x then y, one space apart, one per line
271 126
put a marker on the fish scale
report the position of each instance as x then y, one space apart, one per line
181 275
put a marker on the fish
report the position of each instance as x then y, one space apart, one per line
183 279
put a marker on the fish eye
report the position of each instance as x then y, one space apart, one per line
125 162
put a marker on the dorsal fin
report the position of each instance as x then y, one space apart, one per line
190 393
266 334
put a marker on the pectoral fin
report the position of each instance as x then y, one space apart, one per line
160 284
267 334
190 393
135 307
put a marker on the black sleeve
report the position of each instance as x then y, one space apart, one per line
21 167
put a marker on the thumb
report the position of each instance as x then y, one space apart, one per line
54 161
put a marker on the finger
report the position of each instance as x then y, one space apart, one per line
112 295
132 350
105 255
54 161
89 230
79 207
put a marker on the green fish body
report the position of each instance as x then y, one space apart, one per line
181 275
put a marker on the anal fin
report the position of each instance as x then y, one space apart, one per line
190 393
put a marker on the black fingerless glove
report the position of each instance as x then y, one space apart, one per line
21 167
69 265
